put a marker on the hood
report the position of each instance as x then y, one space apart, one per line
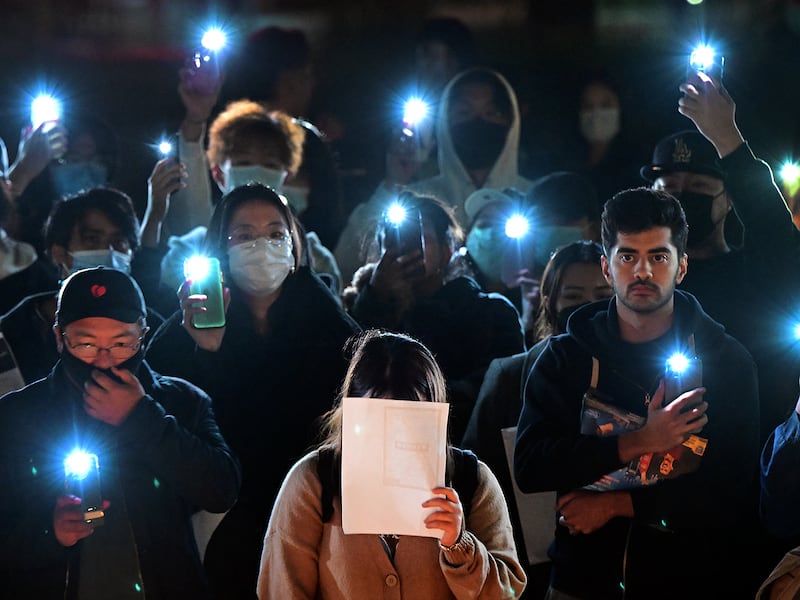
595 327
453 184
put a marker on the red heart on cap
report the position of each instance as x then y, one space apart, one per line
98 291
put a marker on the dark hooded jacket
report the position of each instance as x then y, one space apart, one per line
683 528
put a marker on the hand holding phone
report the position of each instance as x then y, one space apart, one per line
403 232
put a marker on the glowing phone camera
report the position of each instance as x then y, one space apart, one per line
682 373
704 59
82 479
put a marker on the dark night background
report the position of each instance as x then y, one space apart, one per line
119 60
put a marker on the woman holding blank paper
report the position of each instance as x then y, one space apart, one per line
465 551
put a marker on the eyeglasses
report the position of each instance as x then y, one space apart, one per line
119 350
278 238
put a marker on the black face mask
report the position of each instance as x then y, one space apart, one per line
478 143
697 208
80 372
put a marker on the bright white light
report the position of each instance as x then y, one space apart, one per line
677 363
790 172
164 147
414 111
797 331
702 58
396 214
79 463
517 226
196 268
214 39
44 108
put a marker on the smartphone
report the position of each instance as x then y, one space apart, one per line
204 275
678 381
82 479
168 148
705 60
405 235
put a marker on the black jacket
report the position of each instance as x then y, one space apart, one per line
682 528
170 460
463 326
269 393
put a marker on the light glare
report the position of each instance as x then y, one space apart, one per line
214 39
396 214
44 108
414 111
677 363
164 147
196 268
78 464
517 226
702 58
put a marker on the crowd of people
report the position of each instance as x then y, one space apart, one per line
580 463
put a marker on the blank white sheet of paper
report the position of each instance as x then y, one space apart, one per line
393 455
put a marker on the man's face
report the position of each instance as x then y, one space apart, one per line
116 341
683 181
644 268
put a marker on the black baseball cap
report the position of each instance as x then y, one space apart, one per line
100 292
686 151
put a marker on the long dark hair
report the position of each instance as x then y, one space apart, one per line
552 278
385 365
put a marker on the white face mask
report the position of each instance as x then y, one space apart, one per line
260 267
88 259
236 176
297 197
599 125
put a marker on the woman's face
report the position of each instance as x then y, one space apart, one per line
582 283
256 219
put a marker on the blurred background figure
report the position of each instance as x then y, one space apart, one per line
605 153
413 293
572 278
275 66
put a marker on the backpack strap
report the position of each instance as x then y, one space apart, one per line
465 477
328 471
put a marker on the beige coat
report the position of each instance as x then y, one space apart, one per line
304 558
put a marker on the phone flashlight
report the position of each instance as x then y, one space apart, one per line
44 108
790 176
414 111
82 479
403 231
204 64
517 226
682 373
704 59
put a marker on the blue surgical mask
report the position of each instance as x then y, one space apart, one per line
236 176
88 259
69 178
486 246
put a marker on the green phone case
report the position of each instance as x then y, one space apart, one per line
211 286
